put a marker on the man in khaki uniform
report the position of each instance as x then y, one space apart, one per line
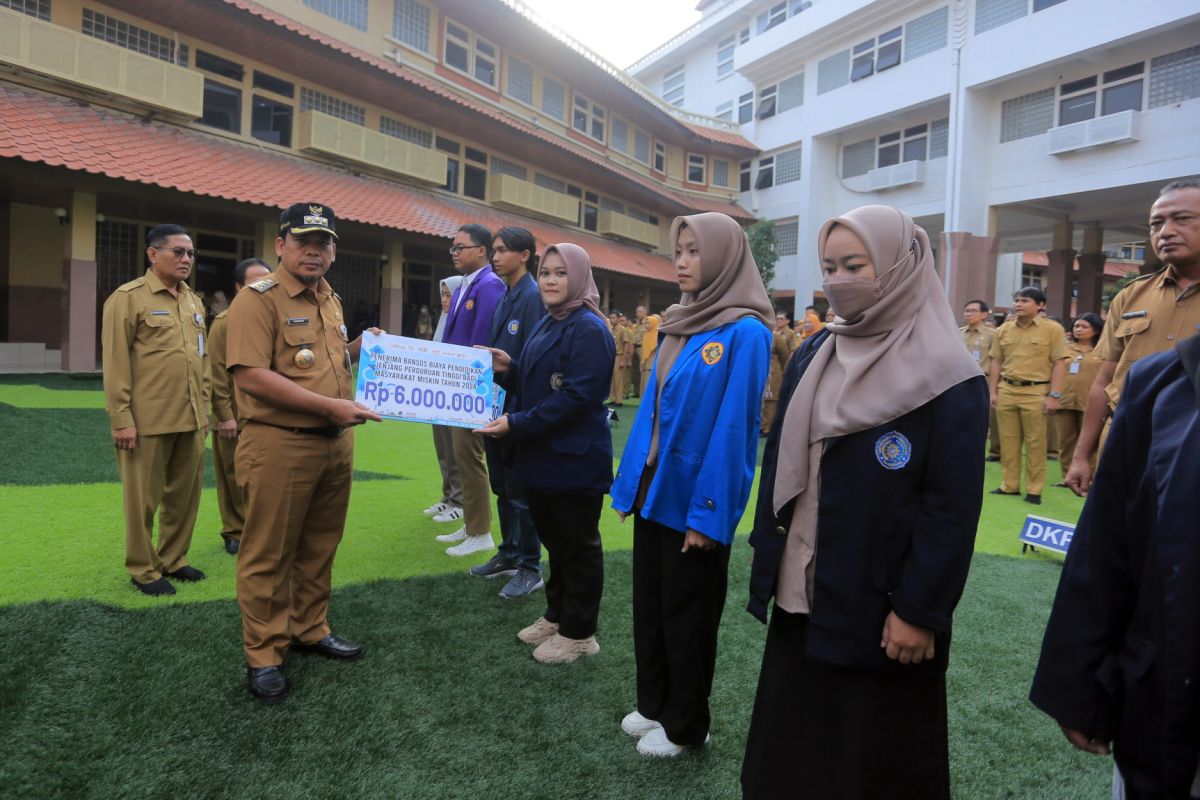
639 333
1026 382
978 338
156 392
225 423
781 351
623 337
1148 316
291 360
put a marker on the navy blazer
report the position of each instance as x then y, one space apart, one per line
560 427
1121 657
514 320
895 525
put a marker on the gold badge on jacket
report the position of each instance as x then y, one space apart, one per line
712 352
304 359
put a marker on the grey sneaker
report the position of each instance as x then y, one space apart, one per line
524 582
496 566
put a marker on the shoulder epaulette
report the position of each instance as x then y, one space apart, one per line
221 315
264 284
1154 274
133 284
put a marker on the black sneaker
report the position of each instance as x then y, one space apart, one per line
496 566
156 588
232 546
186 573
524 582
1033 499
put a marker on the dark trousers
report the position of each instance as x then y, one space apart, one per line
518 534
677 603
569 524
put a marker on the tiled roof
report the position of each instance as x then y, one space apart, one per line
50 130
1113 267
442 90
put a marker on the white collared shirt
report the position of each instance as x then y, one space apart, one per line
465 285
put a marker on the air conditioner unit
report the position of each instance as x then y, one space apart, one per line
1110 129
896 175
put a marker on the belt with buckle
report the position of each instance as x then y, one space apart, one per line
329 431
1011 382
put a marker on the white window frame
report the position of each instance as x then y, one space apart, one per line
745 108
743 36
648 139
891 41
1101 84
674 84
767 102
397 12
773 16
746 176
766 173
699 162
660 155
592 114
564 95
508 81
725 111
903 139
621 145
474 56
720 162
725 50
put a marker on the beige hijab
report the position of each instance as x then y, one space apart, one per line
730 286
899 354
581 286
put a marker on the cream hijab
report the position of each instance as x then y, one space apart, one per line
581 286
899 354
730 285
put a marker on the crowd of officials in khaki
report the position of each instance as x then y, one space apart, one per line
283 423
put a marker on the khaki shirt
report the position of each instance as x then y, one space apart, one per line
979 344
781 351
224 398
1146 317
278 323
1081 374
1029 352
155 358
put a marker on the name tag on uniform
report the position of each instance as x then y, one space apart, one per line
1134 314
975 354
200 344
198 319
160 313
1074 368
293 321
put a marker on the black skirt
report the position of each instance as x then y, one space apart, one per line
822 732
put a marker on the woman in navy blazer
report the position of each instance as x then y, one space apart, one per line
686 475
869 497
563 448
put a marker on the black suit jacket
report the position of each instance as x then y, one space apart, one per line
890 535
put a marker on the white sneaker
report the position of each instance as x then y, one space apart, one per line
638 726
450 538
558 649
538 632
436 509
656 743
451 514
472 544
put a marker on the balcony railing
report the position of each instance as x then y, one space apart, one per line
322 133
511 192
58 52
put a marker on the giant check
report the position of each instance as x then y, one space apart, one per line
432 382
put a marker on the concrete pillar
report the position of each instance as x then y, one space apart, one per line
606 295
1060 272
265 234
391 292
79 285
1089 280
973 276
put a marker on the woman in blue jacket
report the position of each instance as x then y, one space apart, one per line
563 448
686 474
868 501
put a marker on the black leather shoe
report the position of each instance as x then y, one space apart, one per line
267 683
332 646
992 459
186 574
156 588
231 546
1007 494
1033 499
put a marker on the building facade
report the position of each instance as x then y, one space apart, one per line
408 117
1002 126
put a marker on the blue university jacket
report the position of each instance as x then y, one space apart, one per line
560 425
515 318
707 433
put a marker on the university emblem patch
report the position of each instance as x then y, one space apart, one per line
893 450
712 352
514 326
470 304
556 381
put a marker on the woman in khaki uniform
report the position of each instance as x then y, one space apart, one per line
1082 367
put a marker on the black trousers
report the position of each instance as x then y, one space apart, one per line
678 599
569 526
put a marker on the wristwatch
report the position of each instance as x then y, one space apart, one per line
1056 395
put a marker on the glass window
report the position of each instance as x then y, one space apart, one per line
696 168
725 49
620 135
402 130
833 72
108 29
485 62
319 101
787 166
34 8
641 146
725 110
858 158
1028 115
743 35
1077 109
589 118
766 173
553 98
410 24
673 86
520 81
744 176
746 108
590 216
270 83
222 106
458 48
349 12
502 166
475 182
766 102
1174 77
271 121
720 172
219 66
660 157
451 184
1123 97
926 34
478 156
791 93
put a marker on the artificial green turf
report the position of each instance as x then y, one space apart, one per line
112 694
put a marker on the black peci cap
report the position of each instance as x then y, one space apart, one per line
303 218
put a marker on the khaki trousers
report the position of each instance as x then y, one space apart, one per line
1069 423
229 496
768 411
296 488
1020 418
451 480
993 435
635 385
645 379
161 475
619 384
472 470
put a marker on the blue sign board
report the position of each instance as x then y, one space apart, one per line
1048 533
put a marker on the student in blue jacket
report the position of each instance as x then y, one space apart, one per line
562 451
686 474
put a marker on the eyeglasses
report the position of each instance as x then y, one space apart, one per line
458 248
179 252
